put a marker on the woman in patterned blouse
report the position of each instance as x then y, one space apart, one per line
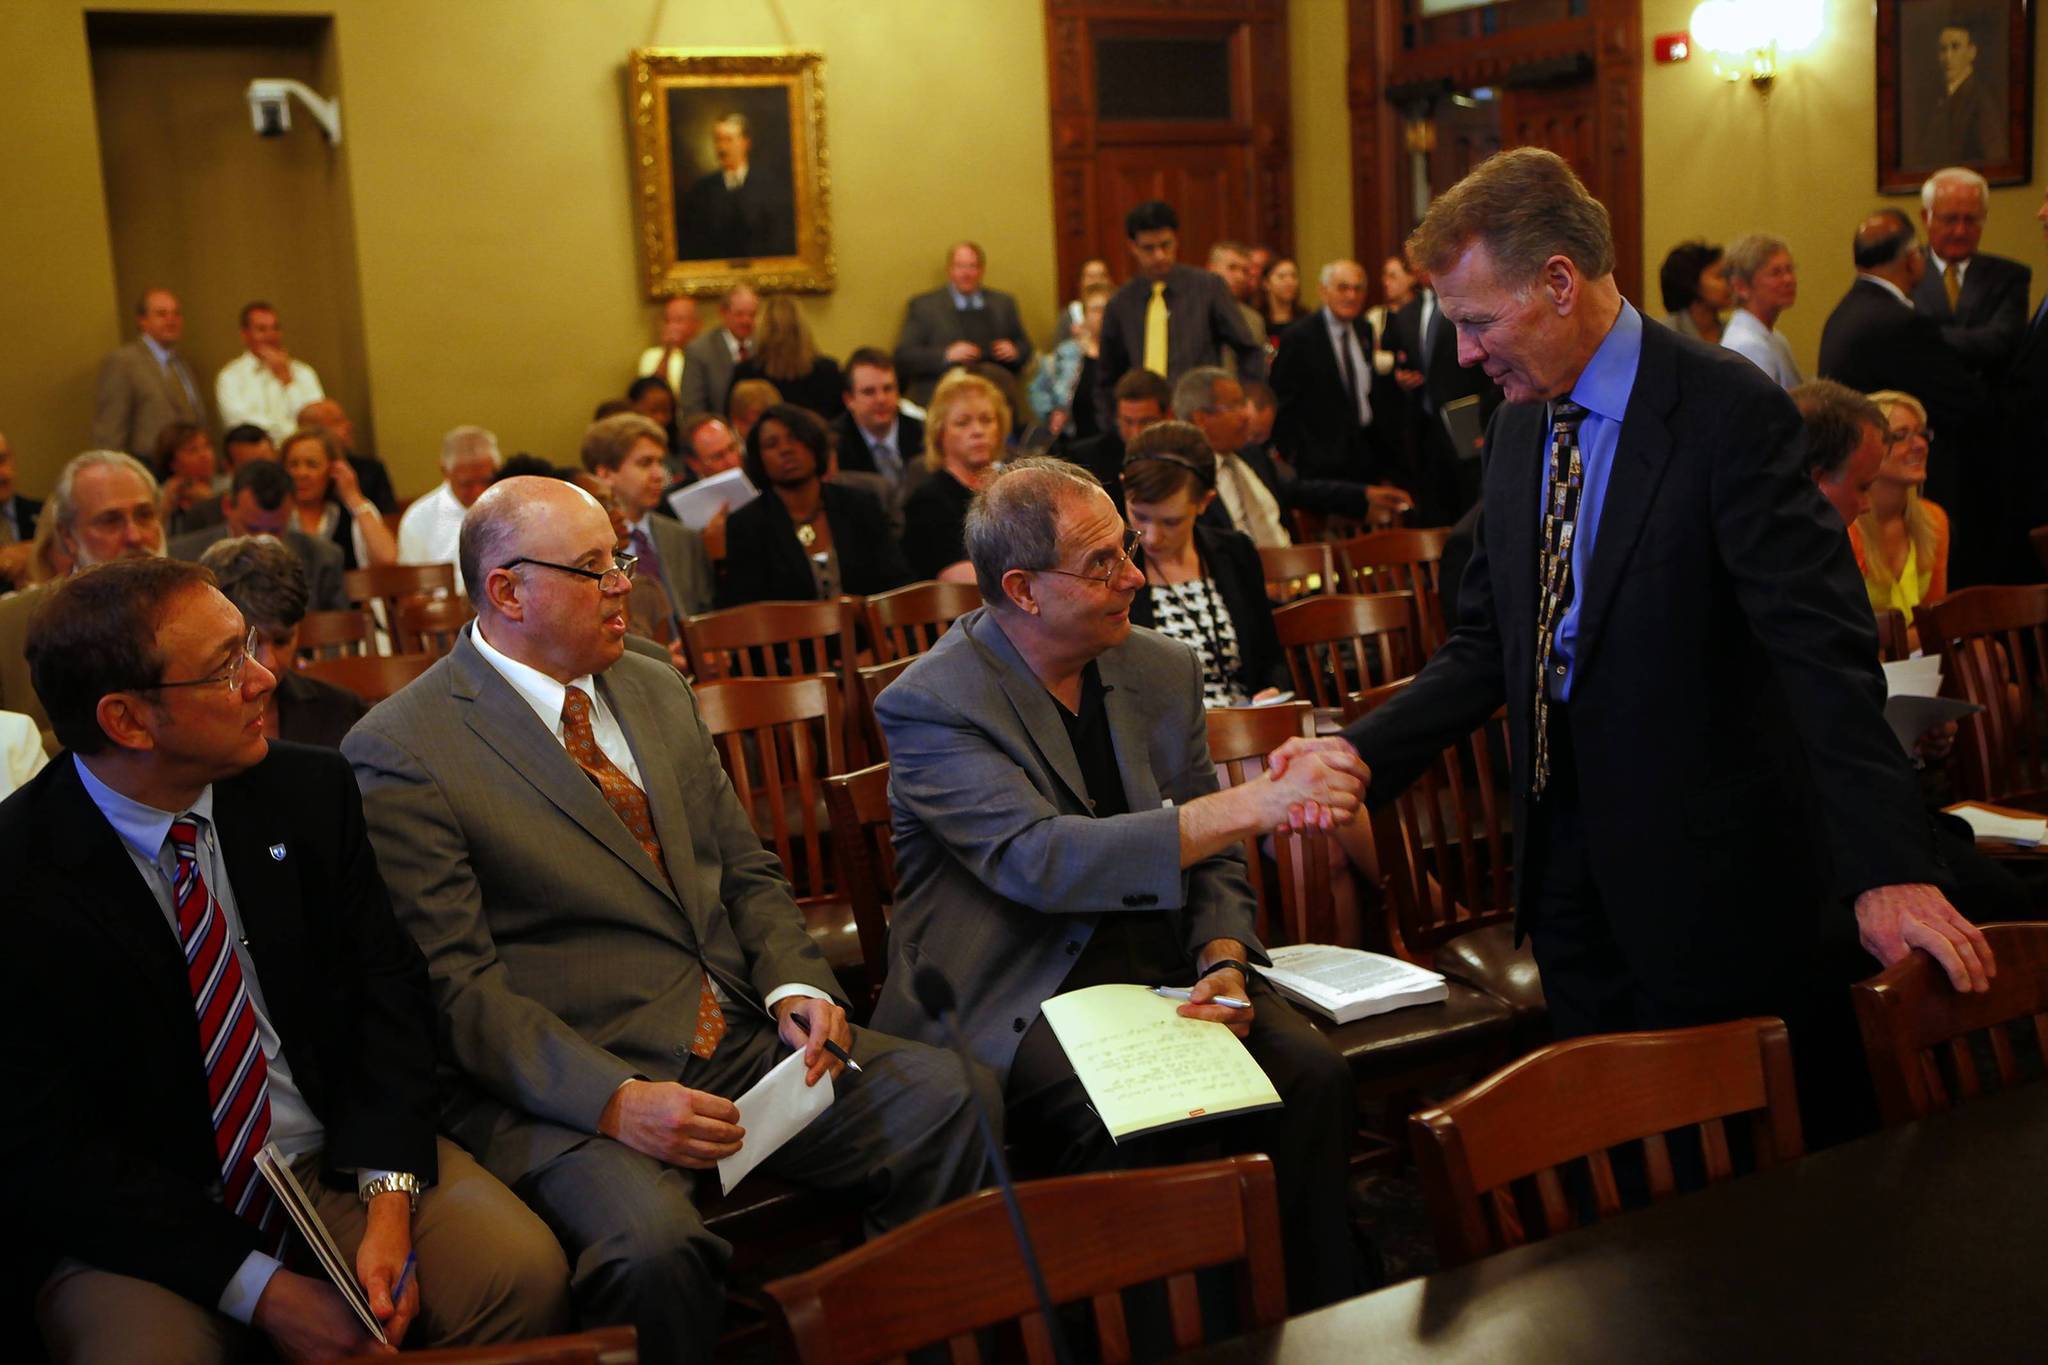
1204 585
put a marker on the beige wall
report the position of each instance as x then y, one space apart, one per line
486 148
1318 61
1719 162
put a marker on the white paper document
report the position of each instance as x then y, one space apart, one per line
1349 983
1146 1068
277 1172
1919 676
1913 703
697 503
1988 824
778 1107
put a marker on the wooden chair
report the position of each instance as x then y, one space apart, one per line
1994 651
1402 560
373 677
1920 1036
386 585
1296 571
784 640
1345 643
954 1272
1495 1159
431 625
858 803
873 678
600 1346
1293 889
331 634
909 620
1894 642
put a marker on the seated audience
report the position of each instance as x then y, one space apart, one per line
241 444
1280 299
962 324
786 357
614 955
964 432
190 474
1765 284
1215 403
624 452
329 504
428 531
708 447
175 854
668 357
264 386
371 475
1694 282
804 539
873 434
748 400
1141 399
651 397
1901 543
1204 586
267 584
104 507
1068 374
259 503
1035 855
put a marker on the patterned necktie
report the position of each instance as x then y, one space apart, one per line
1952 284
1155 330
746 351
629 803
237 1079
1554 570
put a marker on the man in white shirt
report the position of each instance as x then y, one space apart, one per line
430 528
264 385
667 358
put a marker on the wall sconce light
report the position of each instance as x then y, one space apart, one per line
1747 39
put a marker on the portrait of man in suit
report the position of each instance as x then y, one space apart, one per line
1952 83
740 201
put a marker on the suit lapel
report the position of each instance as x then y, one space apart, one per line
1512 499
262 870
1640 458
1124 688
1034 706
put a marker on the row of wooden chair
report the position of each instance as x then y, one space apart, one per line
1403 560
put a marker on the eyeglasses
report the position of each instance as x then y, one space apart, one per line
614 579
230 677
1106 576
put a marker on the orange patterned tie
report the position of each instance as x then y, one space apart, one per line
629 803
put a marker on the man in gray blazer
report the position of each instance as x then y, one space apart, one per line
259 503
710 360
614 955
1058 825
961 324
145 385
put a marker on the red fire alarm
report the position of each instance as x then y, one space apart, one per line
1673 47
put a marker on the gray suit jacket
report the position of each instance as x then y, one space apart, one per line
563 962
322 559
690 585
707 374
931 323
134 399
1001 872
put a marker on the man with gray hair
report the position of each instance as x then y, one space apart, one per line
430 529
1058 825
1709 807
105 503
1978 300
1336 413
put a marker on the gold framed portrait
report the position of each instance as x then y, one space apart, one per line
730 180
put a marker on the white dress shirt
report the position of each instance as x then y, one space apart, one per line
1764 347
247 391
1888 288
431 530
672 374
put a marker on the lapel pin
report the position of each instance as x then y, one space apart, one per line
277 852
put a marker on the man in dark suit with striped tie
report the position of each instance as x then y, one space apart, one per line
204 963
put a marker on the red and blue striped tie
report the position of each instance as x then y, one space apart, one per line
237 1080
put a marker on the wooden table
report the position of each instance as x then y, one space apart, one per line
1925 1243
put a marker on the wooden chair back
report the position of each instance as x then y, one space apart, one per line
955 1272
783 640
873 678
1292 889
431 625
1994 651
388 584
1893 640
330 634
859 806
1400 560
1495 1159
599 1346
373 677
1295 571
2039 539
909 620
779 739
1923 1040
1443 848
1344 643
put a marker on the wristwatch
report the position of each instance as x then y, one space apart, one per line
391 1182
1243 969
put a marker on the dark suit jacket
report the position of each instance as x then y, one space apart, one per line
322 558
1962 126
715 223
935 523
822 391
1316 425
134 400
1325 497
1738 781
1990 315
375 481
95 985
1444 379
853 447
310 711
24 511
764 562
1232 561
1202 322
931 323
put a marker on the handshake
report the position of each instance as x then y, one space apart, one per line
1308 784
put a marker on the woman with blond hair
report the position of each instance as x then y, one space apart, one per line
1901 543
963 439
785 355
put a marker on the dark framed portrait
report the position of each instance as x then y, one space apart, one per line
1955 87
729 170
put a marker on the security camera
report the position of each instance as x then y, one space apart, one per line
270 108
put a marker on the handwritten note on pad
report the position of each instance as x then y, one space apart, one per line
776 1109
1146 1068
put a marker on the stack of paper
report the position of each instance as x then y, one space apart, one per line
1913 702
272 1166
1349 983
2013 829
696 504
1146 1068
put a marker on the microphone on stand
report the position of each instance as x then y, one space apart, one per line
935 993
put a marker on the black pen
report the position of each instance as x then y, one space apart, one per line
837 1051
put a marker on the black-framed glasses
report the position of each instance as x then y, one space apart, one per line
230 677
622 567
1105 576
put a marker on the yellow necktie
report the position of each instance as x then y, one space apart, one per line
1952 285
1155 330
